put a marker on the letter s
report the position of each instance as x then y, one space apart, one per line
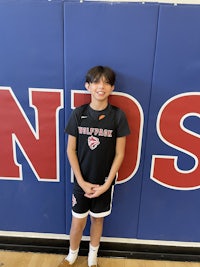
171 129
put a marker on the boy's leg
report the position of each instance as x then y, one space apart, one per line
100 208
77 227
95 236
96 230
76 231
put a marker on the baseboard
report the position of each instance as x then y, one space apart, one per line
107 249
34 244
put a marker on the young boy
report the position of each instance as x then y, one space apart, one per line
96 145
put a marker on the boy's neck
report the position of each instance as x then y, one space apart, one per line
98 105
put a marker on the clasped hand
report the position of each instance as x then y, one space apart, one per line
93 190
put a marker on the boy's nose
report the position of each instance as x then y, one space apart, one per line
101 84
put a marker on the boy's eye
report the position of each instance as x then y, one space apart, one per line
96 82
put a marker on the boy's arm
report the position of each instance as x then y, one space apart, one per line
119 156
73 159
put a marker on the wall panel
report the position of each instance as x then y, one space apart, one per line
31 56
118 36
169 205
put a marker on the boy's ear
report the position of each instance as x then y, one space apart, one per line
87 86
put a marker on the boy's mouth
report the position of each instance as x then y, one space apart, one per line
100 93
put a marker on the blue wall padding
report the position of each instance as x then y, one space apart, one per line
154 49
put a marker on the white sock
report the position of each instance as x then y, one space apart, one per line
72 255
92 256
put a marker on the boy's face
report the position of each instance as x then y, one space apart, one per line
100 90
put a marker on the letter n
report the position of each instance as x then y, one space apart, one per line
39 143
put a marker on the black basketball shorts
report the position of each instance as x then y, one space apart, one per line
97 207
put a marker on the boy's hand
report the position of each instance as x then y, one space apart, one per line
88 188
97 191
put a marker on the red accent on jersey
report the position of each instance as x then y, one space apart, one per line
101 117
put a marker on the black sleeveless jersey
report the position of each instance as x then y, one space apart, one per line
96 133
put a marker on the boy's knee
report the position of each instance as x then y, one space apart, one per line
95 220
78 224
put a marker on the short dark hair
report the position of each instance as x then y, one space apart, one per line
95 74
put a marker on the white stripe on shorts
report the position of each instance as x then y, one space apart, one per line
80 215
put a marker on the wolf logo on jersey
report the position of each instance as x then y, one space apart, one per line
93 142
